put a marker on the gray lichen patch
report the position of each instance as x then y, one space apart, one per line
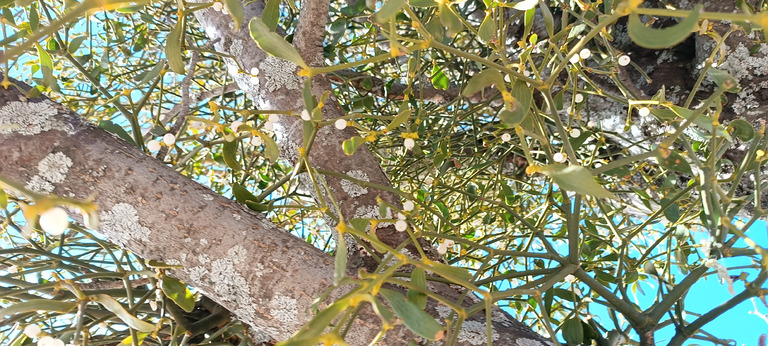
352 189
743 66
473 333
121 224
279 73
52 169
30 118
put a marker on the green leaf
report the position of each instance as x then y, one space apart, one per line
418 279
422 3
273 44
724 80
450 272
173 48
271 150
514 116
439 79
414 318
449 20
388 10
576 179
242 194
662 38
672 212
229 153
672 160
33 305
549 21
178 292
487 30
350 145
116 308
271 14
153 73
573 333
75 44
130 8
742 129
235 9
340 260
46 64
481 80
117 130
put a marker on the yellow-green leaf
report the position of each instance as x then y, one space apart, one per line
270 147
651 38
271 14
38 305
388 10
422 3
273 44
487 30
46 65
129 340
242 194
418 279
116 308
235 9
671 159
178 292
75 44
414 318
576 179
481 80
399 119
449 20
173 48
350 145
3 199
229 153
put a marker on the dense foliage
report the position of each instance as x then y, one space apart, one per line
514 132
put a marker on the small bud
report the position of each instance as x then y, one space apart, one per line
340 124
153 145
54 221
